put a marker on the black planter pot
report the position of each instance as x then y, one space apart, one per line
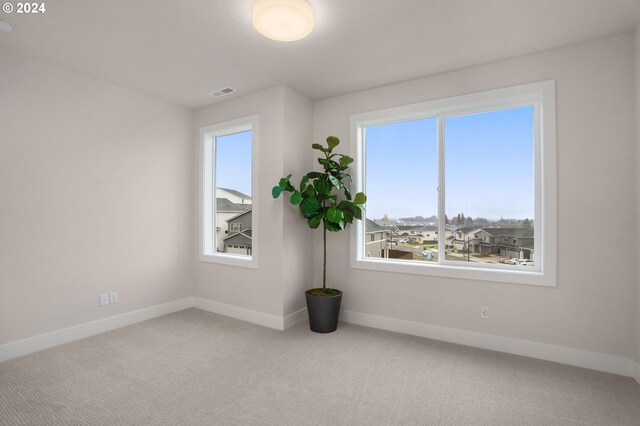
323 311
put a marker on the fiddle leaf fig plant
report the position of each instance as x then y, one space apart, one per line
324 197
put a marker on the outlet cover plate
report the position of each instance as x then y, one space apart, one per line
104 299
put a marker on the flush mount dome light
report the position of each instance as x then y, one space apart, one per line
283 20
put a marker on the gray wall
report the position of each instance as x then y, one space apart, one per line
93 181
298 238
596 162
284 251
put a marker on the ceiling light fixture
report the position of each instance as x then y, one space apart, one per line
5 25
283 20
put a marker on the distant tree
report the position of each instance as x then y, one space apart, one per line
526 223
469 221
446 220
462 219
458 220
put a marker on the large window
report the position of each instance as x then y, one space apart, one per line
229 210
460 187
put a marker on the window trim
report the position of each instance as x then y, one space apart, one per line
542 96
207 209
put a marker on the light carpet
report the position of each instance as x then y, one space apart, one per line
197 368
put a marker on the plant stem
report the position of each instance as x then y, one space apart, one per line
324 261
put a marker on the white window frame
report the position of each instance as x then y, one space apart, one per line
540 95
207 245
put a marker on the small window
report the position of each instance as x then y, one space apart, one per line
229 171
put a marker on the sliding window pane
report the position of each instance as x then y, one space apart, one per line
489 181
401 181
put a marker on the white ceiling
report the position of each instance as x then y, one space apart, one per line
180 50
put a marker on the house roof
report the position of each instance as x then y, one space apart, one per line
509 232
467 229
225 205
238 215
418 228
236 193
244 235
371 226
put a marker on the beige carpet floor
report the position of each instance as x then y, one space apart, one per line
197 368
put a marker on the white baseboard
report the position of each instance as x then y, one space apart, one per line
562 354
294 318
565 355
58 337
260 318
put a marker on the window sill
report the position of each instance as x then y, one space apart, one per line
230 259
450 271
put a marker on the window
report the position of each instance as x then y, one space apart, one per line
481 167
228 177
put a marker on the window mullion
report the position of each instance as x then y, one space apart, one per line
441 183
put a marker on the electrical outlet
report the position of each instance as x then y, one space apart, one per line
104 299
113 297
484 312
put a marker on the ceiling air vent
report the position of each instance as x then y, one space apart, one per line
222 92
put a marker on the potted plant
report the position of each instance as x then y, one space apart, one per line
324 199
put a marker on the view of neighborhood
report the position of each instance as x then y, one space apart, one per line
233 222
233 214
485 165
504 241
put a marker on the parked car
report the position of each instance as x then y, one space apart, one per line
516 261
527 263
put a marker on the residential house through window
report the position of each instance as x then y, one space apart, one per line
228 234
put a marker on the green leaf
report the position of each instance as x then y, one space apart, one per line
319 147
276 191
345 161
309 192
296 197
314 175
347 193
309 206
284 181
335 182
360 198
330 166
322 187
357 213
314 221
332 141
333 227
346 206
348 216
335 215
303 183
